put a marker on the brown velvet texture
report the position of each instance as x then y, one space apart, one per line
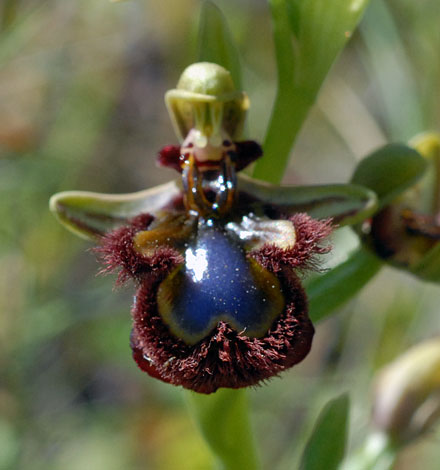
116 253
225 358
310 234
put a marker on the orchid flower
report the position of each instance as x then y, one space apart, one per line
217 258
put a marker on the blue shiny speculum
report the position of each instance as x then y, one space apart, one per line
218 282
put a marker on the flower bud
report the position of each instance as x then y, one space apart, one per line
406 233
407 393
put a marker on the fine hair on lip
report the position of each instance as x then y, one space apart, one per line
225 358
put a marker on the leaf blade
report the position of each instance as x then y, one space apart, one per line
326 446
223 420
320 29
215 41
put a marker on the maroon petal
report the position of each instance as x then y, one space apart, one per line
169 156
247 152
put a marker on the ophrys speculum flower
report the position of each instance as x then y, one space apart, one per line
216 256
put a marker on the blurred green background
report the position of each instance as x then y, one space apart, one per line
81 107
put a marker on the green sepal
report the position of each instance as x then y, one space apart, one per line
390 171
346 203
206 99
90 215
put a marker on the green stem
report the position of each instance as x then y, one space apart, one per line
223 420
289 112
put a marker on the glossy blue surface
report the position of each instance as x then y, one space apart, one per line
216 283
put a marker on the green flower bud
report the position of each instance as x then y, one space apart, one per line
407 393
206 100
406 232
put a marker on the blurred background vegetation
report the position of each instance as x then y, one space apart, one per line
81 107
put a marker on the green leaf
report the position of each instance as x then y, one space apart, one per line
90 215
326 446
332 289
215 42
389 171
223 420
386 59
308 36
347 204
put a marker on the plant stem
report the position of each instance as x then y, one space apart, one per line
287 120
223 420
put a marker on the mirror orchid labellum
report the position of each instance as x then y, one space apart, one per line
216 257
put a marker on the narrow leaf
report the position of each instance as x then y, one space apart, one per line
347 204
388 63
326 445
389 171
319 30
90 215
215 42
223 420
